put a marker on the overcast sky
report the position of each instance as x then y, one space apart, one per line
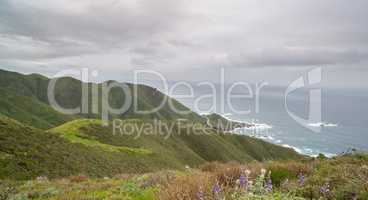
253 40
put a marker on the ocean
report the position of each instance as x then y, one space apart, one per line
343 125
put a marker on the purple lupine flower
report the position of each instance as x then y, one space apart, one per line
243 181
200 194
301 179
269 185
216 190
325 189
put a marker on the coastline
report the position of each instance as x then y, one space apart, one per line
262 131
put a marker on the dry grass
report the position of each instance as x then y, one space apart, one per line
78 179
186 187
227 175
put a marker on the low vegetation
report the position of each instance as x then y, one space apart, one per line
343 177
30 111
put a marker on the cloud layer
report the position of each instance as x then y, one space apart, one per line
182 36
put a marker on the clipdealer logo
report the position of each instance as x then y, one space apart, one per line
309 79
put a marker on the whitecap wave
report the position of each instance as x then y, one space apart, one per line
308 151
270 138
292 147
323 124
251 125
256 126
278 141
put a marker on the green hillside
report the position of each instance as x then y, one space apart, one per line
30 111
68 93
86 147
33 85
36 140
27 152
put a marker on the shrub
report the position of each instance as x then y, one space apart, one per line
210 167
130 190
279 175
162 178
188 187
6 190
19 197
78 179
228 176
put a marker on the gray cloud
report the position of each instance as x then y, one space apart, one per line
108 26
165 35
294 57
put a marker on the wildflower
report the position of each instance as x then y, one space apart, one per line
259 185
243 181
269 183
42 179
325 189
216 190
263 172
301 179
200 194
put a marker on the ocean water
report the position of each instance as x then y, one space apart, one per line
344 115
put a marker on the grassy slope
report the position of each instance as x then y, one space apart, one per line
29 110
27 152
92 149
70 131
68 94
190 148
84 146
25 85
